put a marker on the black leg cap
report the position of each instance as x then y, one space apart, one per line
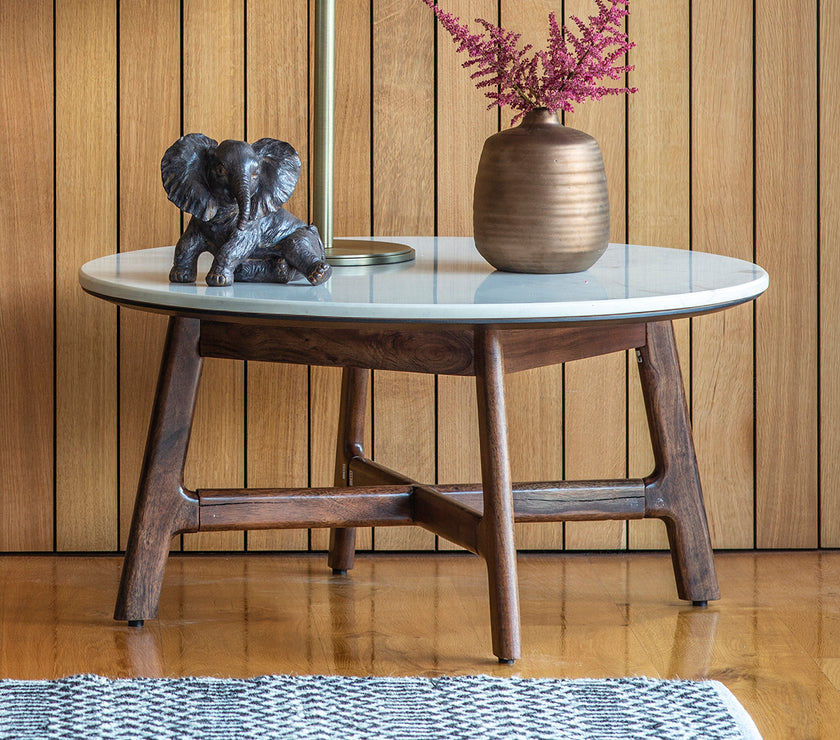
506 661
135 622
339 572
701 604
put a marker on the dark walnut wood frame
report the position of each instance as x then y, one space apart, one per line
477 517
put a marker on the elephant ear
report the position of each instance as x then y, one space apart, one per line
279 173
184 170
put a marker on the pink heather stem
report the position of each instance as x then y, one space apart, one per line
570 68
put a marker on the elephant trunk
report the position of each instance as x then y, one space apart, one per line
242 193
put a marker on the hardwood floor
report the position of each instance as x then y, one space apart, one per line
773 639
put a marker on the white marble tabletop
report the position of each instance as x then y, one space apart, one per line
448 282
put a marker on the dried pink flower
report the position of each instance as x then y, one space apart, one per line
569 71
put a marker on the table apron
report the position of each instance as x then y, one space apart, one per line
424 348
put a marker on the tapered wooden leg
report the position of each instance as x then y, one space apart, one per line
163 508
350 444
495 536
673 492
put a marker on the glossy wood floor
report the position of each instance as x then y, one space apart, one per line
774 638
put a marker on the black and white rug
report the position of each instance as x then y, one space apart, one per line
304 707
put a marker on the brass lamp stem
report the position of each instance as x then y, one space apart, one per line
323 147
344 252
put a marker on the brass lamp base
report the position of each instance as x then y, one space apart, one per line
354 252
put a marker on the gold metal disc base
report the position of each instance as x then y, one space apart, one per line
353 252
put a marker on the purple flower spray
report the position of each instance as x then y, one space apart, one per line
569 71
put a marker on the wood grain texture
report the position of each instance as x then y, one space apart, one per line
595 398
403 119
86 227
400 347
673 492
278 395
213 79
773 641
150 120
658 184
26 298
97 461
546 346
278 440
463 123
722 648
325 395
496 542
829 275
403 203
294 508
352 217
349 445
722 223
535 433
352 167
595 440
786 246
163 508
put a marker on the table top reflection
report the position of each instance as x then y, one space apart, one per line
448 282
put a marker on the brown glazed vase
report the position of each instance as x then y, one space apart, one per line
541 203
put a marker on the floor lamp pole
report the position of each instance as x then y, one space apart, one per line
339 251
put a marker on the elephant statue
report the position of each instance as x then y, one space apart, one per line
235 193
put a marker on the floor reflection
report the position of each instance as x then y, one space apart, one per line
694 640
773 639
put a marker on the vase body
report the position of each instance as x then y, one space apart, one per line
541 203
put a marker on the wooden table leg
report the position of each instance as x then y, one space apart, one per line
163 507
350 444
495 530
673 492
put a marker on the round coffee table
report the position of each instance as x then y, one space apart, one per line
449 313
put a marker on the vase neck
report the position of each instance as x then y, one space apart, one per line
541 117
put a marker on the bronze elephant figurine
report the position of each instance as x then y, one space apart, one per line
235 193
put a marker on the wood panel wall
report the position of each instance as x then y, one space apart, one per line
730 146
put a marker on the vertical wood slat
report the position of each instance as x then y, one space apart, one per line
595 389
86 227
352 217
214 105
463 123
150 120
26 296
786 218
829 216
658 185
722 222
403 203
277 395
786 245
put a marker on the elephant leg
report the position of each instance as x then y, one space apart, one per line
270 269
189 247
304 251
229 255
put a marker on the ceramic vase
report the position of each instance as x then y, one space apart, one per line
541 203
